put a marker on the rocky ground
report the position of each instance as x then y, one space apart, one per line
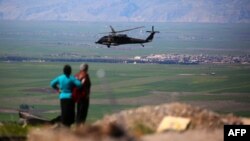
151 116
141 124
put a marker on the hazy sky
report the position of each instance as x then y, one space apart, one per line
221 11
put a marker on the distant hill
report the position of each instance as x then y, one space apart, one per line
209 11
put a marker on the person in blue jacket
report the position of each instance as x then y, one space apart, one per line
64 84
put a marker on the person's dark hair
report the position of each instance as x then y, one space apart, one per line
67 70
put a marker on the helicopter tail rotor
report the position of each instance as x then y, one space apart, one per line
152 33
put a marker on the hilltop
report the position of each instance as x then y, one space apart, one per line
141 123
212 11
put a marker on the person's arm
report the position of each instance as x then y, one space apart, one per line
83 80
54 84
81 77
76 82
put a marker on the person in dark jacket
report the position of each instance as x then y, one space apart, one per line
82 94
64 84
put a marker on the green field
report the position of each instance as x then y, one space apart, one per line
123 86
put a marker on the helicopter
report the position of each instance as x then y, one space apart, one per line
114 39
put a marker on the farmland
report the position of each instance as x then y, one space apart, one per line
123 86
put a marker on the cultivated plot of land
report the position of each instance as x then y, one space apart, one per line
123 86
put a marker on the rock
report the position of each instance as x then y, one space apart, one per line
173 124
26 118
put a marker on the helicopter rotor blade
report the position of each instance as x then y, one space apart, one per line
129 29
113 31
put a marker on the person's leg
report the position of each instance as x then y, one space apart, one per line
67 111
85 110
82 110
79 110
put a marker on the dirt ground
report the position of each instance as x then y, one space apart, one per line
191 135
194 135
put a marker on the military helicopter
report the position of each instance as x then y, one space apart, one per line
114 39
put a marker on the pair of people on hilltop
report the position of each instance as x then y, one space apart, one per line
73 89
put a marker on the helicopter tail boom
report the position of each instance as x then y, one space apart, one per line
151 36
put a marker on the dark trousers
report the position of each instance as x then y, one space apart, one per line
82 110
67 111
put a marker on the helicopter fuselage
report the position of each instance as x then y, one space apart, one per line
119 39
114 39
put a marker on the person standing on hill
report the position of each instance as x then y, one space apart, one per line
64 84
81 95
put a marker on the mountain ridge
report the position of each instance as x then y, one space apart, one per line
202 11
